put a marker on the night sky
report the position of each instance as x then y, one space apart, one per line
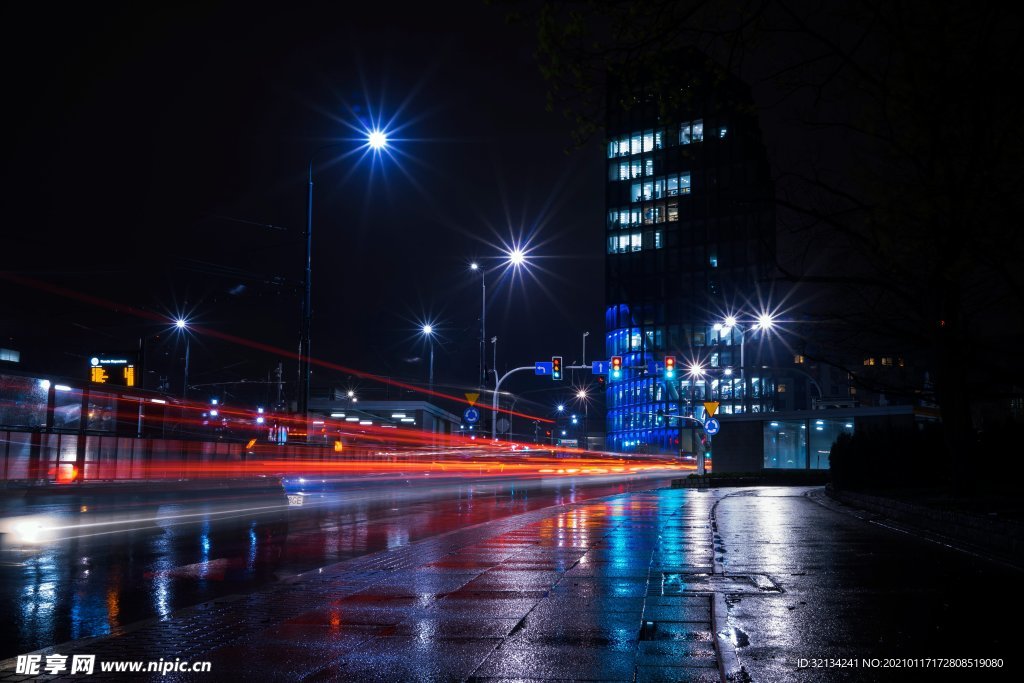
147 149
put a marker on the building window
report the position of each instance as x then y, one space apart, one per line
899 361
649 141
781 388
722 131
798 359
691 132
869 361
673 212
10 355
887 361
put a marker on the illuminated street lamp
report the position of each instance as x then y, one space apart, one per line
428 332
514 257
182 326
377 141
765 321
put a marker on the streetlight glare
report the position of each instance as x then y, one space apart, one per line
474 266
581 394
561 407
428 329
696 369
517 257
730 321
377 139
180 323
765 321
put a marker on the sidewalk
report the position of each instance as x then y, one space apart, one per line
620 588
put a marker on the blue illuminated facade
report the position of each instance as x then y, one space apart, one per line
690 235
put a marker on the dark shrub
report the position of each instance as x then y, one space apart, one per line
889 458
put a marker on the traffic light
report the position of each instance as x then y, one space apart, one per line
616 367
556 367
670 367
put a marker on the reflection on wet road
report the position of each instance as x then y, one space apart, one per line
82 567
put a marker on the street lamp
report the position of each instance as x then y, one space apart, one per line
515 257
765 321
428 332
182 326
376 140
582 396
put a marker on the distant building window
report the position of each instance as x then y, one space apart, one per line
853 391
899 361
782 388
10 355
887 361
869 361
722 131
692 131
798 359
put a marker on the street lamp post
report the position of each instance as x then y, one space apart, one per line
585 335
182 325
428 332
376 140
764 321
483 322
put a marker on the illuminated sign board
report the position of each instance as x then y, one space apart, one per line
114 369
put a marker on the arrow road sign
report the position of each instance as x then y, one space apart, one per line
599 367
712 426
471 416
542 368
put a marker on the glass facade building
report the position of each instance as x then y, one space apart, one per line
690 235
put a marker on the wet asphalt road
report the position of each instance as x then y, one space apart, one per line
789 585
139 560
855 588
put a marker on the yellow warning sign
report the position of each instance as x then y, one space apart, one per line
711 407
472 398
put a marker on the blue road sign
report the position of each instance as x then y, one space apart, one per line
712 426
542 368
652 367
599 367
471 416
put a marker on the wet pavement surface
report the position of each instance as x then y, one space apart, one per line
134 558
666 585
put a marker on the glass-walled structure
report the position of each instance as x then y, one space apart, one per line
689 233
802 444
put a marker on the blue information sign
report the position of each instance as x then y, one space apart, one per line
712 426
599 367
542 368
471 415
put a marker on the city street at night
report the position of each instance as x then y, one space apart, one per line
512 340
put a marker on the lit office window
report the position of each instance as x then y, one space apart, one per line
698 131
637 141
649 141
684 183
648 167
